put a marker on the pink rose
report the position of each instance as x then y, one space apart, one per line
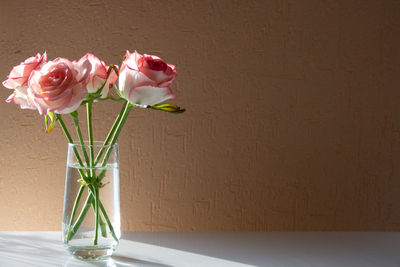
20 97
58 86
19 75
145 79
18 80
98 74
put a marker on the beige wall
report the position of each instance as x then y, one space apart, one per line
292 122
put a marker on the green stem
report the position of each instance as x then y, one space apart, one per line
66 132
83 213
90 131
75 119
81 217
103 227
120 122
73 229
110 134
96 228
76 123
99 221
93 188
128 108
78 197
108 222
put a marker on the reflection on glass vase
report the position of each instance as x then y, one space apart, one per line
91 215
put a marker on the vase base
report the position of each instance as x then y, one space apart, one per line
90 254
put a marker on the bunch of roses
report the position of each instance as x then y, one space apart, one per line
60 85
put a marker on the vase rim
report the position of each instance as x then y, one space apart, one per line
95 144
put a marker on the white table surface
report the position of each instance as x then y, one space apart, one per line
213 249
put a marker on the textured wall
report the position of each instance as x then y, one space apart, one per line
292 122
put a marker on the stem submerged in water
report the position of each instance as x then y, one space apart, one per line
88 180
95 187
112 135
78 198
96 228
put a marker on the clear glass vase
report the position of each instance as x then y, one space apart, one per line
91 214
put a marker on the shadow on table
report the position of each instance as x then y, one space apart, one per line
125 261
115 261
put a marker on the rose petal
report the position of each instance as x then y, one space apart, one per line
150 95
129 79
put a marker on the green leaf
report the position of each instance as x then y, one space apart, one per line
82 182
49 127
51 115
46 123
167 108
74 114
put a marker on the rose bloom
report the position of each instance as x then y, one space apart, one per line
18 80
20 97
98 74
58 86
19 75
145 79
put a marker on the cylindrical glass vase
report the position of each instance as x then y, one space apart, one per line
91 214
